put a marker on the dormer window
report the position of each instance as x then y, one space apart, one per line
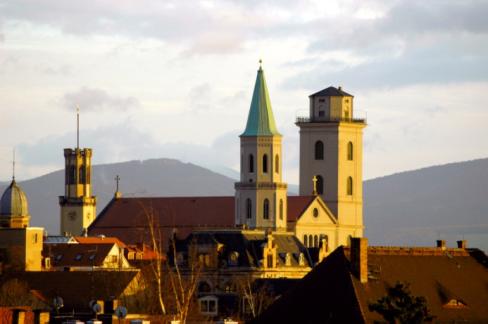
234 258
78 257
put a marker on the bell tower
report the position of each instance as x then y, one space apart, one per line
78 206
261 195
331 154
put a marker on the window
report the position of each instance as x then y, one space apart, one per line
248 208
208 305
269 261
310 241
78 257
251 163
321 100
204 287
234 258
204 259
266 209
305 241
115 259
82 178
265 163
35 238
320 184
277 163
349 151
72 174
349 186
315 212
281 209
319 150
315 241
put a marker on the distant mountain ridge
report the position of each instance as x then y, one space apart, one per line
409 208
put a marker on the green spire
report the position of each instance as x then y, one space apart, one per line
260 121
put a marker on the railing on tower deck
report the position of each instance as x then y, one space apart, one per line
330 120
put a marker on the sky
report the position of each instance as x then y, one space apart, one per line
174 79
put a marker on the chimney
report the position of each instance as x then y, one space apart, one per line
441 244
359 258
462 244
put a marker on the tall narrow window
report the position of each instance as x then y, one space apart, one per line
72 175
270 261
265 163
310 240
320 185
305 241
349 151
315 241
251 163
248 208
319 150
349 186
277 163
266 209
281 209
81 177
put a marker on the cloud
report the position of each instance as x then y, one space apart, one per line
90 99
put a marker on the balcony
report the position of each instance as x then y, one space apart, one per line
303 120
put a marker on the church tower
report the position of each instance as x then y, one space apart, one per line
331 149
261 195
78 206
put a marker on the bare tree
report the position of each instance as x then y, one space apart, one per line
255 297
184 281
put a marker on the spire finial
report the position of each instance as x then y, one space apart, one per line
117 194
314 181
77 127
13 165
260 64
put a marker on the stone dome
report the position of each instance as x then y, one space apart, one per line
14 202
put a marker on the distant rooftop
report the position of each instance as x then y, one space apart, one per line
332 92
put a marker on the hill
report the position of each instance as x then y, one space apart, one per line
418 207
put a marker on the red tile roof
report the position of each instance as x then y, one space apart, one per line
127 218
77 255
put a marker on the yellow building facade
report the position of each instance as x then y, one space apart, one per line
78 205
331 152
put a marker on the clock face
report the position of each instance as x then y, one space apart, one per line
72 215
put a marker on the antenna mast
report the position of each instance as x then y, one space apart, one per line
13 165
77 127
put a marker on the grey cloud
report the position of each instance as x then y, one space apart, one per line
89 99
438 63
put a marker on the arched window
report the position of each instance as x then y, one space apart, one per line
319 150
248 208
281 208
315 241
277 163
266 209
305 241
265 163
350 151
320 184
310 241
349 186
251 163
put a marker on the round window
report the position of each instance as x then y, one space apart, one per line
315 212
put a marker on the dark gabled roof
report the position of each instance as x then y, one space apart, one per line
127 218
249 245
332 92
330 293
77 255
324 295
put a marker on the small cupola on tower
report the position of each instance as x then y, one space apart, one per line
261 194
78 206
14 210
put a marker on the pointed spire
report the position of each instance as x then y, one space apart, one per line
260 121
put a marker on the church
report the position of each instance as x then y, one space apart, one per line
327 212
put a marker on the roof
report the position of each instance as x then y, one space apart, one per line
249 245
297 205
14 202
75 287
260 121
127 218
331 293
331 92
99 240
77 255
59 239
